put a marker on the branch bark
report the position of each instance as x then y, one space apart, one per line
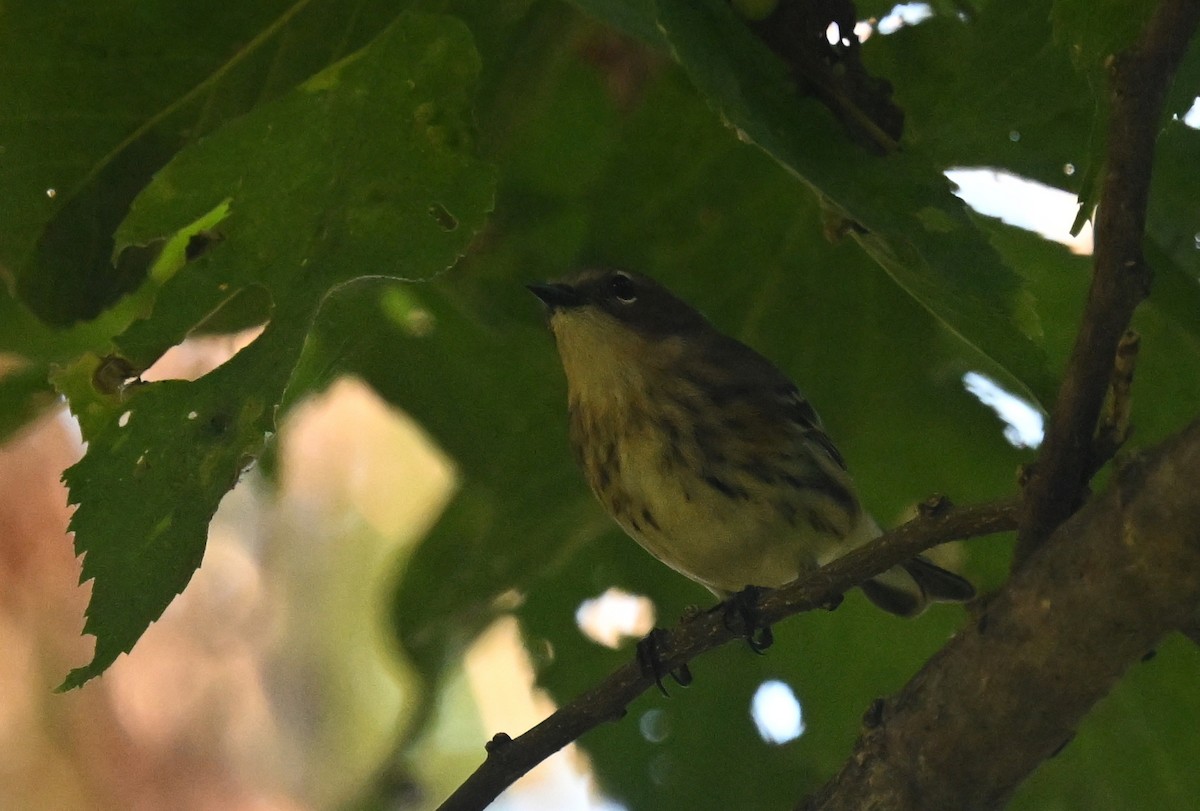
508 758
1140 78
1009 692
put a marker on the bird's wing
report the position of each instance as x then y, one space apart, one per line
747 376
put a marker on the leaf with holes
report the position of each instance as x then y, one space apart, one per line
364 170
99 96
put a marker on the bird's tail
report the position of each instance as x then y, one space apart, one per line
907 589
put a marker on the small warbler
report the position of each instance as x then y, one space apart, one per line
704 452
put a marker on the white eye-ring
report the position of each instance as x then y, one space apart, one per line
622 287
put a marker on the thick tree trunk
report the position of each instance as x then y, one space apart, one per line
1009 692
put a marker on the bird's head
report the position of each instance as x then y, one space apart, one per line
611 325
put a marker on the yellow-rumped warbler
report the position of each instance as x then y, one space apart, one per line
704 452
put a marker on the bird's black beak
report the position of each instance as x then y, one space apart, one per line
556 296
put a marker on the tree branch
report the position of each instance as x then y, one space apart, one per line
1140 78
508 759
1008 692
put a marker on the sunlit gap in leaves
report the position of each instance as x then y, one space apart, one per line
1192 116
833 34
902 15
1023 203
615 615
197 356
1034 207
1024 425
776 712
1192 119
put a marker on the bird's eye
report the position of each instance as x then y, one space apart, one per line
622 288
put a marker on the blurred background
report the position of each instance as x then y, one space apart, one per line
271 683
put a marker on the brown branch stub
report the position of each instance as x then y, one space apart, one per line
1107 586
1139 82
707 630
1115 426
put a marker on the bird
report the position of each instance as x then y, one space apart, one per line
704 452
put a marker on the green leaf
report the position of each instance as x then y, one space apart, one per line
635 17
1172 217
1136 749
906 218
364 170
1186 87
990 91
1092 34
1093 31
111 91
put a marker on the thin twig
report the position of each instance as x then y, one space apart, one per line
1140 78
508 759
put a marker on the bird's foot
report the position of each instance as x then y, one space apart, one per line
651 664
742 617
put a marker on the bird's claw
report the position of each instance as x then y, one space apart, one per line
742 617
651 664
760 639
